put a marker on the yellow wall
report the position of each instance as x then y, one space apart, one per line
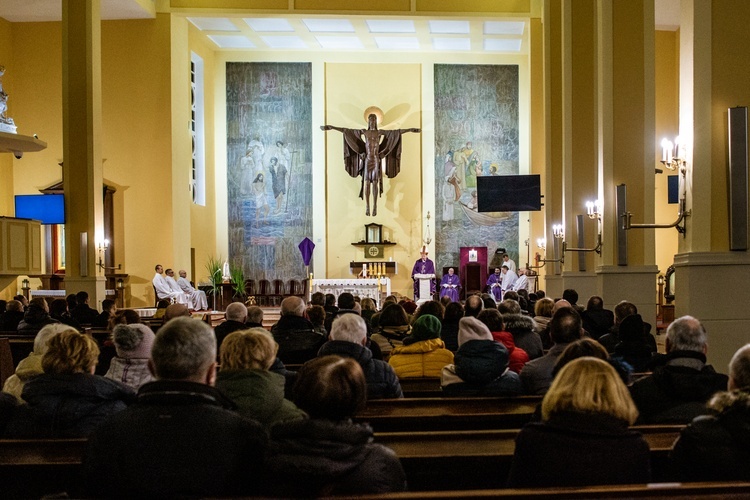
350 89
6 159
667 125
136 135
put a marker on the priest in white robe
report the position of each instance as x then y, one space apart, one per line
522 283
198 299
509 278
164 291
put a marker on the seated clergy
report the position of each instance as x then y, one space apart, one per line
164 291
450 285
197 298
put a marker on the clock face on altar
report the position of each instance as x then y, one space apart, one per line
373 251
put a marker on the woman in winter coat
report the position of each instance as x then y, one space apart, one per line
68 400
133 344
480 367
423 353
715 447
246 357
393 328
31 366
585 419
329 454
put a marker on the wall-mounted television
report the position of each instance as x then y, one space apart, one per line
48 208
509 193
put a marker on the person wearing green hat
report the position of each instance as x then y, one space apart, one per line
423 353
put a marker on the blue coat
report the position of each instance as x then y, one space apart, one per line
382 381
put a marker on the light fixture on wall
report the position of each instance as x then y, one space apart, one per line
673 158
427 239
594 211
102 247
559 234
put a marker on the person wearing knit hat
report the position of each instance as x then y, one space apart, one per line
133 344
423 353
481 365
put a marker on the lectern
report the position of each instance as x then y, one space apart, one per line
425 287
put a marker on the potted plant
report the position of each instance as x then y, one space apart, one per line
213 266
238 282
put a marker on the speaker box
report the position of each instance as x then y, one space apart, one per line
737 178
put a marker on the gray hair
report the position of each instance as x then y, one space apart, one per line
349 327
46 333
236 311
739 368
293 306
183 348
255 314
128 337
686 334
509 306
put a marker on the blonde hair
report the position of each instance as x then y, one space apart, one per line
251 349
70 352
589 384
543 307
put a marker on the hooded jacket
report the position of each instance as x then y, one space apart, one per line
312 458
675 394
717 447
69 405
259 395
517 357
424 358
524 336
382 381
480 369
27 368
34 319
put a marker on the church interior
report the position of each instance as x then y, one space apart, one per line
186 131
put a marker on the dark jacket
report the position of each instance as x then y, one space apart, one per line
84 314
179 439
10 320
577 449
449 334
297 339
258 395
482 367
34 319
675 394
101 320
66 319
522 328
311 458
70 405
716 447
382 381
597 322
222 330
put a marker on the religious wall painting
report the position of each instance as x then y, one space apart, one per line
476 134
269 167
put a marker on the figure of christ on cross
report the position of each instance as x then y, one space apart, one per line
364 153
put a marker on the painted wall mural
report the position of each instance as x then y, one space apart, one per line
269 167
476 134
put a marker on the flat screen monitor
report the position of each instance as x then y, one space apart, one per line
48 208
509 193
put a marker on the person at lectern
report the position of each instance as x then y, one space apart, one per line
423 265
449 285
495 283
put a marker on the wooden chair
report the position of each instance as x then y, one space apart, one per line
278 292
295 289
250 287
264 289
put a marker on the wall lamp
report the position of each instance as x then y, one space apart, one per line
102 248
558 234
594 212
673 158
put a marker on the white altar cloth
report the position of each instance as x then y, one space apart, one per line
362 287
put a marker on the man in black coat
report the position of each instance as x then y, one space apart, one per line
298 341
181 438
677 392
82 313
236 315
348 338
12 316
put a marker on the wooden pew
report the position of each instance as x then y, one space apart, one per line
432 460
427 387
444 460
704 491
433 414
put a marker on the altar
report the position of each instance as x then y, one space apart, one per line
374 288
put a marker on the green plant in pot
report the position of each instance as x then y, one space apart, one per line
238 282
213 266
